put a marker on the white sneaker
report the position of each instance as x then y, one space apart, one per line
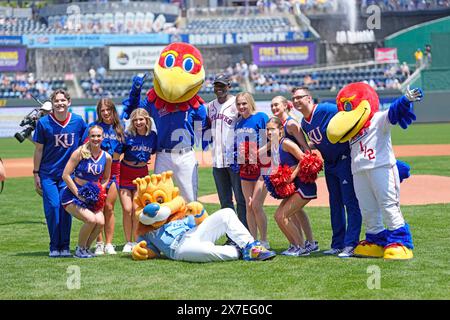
82 253
128 247
65 254
333 251
109 249
301 252
347 252
54 254
99 249
312 246
290 251
265 244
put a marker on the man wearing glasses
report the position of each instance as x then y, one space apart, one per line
338 174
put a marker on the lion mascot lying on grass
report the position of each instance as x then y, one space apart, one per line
184 231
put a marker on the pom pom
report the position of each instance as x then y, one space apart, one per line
310 167
94 196
277 183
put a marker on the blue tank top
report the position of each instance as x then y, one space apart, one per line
91 169
286 157
286 134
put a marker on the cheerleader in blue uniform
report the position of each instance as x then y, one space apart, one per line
139 145
87 164
281 107
248 138
113 135
289 153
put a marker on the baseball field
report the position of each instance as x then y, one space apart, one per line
28 272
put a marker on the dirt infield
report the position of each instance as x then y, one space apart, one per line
419 189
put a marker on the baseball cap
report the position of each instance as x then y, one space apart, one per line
222 78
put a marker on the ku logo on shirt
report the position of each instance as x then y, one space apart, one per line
315 135
64 140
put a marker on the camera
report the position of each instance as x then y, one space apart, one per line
31 119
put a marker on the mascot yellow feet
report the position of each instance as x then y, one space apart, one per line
397 251
368 250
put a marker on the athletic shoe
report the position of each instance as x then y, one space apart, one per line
82 253
256 252
265 244
65 254
110 249
54 254
99 249
128 247
301 252
347 252
333 251
312 246
290 251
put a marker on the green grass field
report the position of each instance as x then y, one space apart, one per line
28 273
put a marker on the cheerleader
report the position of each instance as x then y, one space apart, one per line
247 132
87 164
281 108
287 152
113 135
139 145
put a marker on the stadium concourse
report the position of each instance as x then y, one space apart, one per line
432 189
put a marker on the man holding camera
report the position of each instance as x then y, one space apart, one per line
57 135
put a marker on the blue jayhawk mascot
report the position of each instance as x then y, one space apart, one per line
375 174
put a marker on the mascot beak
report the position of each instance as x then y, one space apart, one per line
347 124
175 85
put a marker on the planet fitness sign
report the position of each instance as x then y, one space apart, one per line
284 54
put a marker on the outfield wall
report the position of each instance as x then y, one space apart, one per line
434 108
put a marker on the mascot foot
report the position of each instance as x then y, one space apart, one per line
256 252
397 251
368 250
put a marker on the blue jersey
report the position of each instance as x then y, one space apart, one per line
138 148
91 169
177 129
249 129
110 138
286 134
59 140
286 157
316 128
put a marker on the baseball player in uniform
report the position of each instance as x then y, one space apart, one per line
375 174
222 116
57 135
338 173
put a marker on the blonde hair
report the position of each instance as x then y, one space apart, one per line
85 150
288 104
249 98
140 112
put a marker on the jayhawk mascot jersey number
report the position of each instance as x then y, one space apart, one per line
375 174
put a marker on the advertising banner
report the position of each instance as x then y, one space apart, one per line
386 55
10 40
237 37
284 54
133 58
92 40
13 59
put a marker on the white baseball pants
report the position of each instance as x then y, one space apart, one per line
198 244
185 171
378 193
